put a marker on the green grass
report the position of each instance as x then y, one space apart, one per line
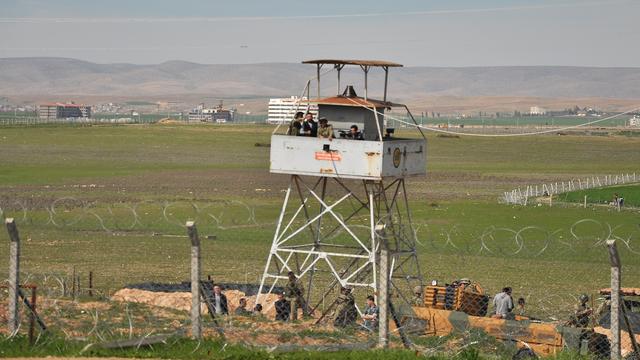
604 195
113 200
144 168
181 348
524 121
68 155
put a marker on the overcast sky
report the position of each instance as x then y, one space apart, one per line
418 32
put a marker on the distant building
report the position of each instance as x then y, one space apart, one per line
282 110
634 121
63 111
536 110
217 114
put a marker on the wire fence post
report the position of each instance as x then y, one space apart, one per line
614 258
90 283
32 316
383 293
73 284
196 329
14 275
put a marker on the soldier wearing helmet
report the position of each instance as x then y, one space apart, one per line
582 313
294 292
417 296
346 312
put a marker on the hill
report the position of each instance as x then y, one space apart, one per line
62 76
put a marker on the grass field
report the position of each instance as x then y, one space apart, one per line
630 193
113 200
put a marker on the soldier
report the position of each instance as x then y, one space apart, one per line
582 313
417 298
346 313
294 291
241 310
325 131
295 127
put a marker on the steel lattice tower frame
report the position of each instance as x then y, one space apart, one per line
353 260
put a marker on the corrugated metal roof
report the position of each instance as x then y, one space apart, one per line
353 62
354 101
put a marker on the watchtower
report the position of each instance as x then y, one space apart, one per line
346 198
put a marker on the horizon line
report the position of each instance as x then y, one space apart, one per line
300 63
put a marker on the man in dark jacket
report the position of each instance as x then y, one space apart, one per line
283 308
219 301
309 127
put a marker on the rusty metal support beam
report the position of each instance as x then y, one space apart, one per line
318 67
338 68
386 81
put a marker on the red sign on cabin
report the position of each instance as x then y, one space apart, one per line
330 156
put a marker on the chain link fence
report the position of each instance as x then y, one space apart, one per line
117 273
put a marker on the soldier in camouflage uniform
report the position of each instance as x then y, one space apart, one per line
294 292
325 130
346 313
417 296
582 313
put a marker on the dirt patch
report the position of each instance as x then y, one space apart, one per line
182 300
4 311
94 305
173 300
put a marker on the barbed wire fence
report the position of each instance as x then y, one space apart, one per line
122 119
107 273
521 196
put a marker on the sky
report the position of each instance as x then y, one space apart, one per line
412 32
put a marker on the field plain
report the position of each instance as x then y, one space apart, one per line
604 196
112 200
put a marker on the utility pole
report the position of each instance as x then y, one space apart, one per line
383 290
196 328
14 275
614 258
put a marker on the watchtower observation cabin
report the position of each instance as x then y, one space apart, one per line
380 155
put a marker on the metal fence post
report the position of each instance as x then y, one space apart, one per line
90 283
196 329
14 274
383 292
32 316
614 258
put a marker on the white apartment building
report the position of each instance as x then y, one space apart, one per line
536 110
282 110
